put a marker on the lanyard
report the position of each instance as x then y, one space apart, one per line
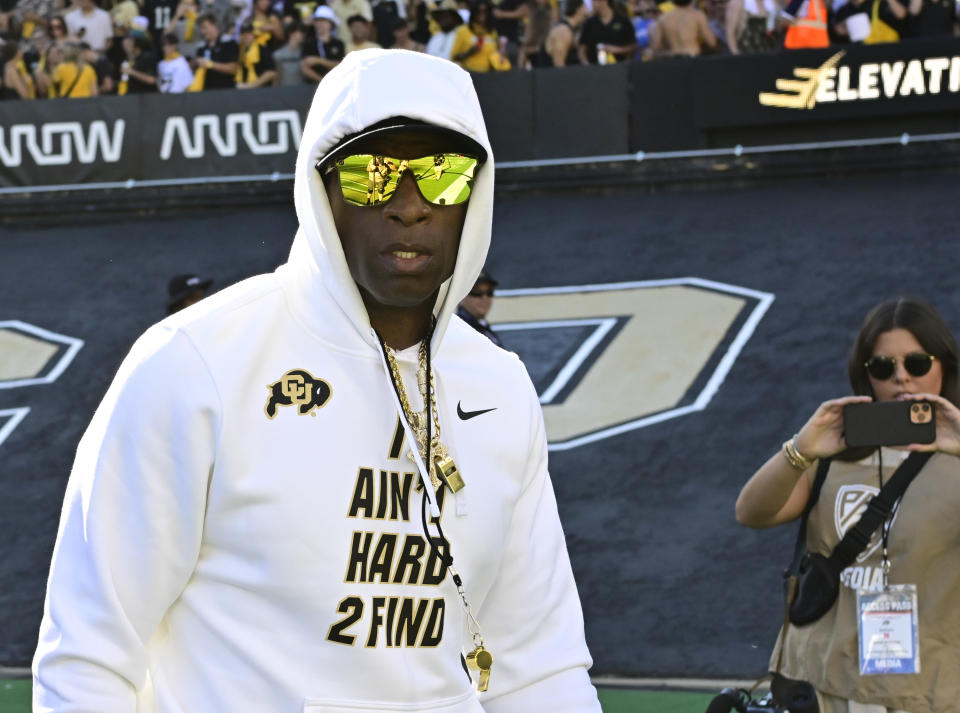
885 527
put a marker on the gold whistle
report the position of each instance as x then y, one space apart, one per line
481 660
447 471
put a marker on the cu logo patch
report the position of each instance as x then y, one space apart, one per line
607 359
299 388
30 356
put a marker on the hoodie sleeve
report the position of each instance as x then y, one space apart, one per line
130 528
532 620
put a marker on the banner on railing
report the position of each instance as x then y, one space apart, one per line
674 104
151 137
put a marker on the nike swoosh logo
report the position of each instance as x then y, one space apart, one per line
467 415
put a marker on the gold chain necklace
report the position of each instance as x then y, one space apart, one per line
442 469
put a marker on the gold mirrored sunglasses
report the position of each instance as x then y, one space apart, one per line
372 179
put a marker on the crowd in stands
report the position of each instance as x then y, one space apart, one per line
49 49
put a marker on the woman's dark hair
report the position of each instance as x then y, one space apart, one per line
8 51
487 7
923 322
927 327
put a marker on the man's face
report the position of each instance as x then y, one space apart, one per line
480 300
209 31
446 19
322 26
360 31
401 251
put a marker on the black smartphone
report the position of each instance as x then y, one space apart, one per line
889 423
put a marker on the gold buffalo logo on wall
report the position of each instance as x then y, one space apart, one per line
641 353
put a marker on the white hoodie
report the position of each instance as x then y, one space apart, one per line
221 552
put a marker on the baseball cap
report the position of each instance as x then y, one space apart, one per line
325 13
247 26
485 278
180 286
139 26
458 141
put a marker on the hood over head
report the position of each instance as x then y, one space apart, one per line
368 87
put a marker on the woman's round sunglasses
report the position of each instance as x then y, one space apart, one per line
881 368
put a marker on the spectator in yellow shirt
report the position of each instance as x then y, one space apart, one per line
73 77
476 46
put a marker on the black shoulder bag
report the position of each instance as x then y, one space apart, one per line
812 580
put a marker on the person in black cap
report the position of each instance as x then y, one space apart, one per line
475 306
185 290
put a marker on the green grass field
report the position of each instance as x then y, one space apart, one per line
15 698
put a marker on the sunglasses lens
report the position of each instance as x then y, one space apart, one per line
445 179
367 180
880 367
917 364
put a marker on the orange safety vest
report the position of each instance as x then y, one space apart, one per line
810 31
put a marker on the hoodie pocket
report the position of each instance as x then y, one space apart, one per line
466 703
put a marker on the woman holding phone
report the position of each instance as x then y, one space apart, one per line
888 644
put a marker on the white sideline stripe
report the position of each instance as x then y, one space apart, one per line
453 190
603 327
764 300
672 684
16 416
73 346
706 685
14 672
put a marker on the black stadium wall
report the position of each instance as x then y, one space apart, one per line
677 104
671 586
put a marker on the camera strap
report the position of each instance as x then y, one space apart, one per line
791 574
800 547
878 510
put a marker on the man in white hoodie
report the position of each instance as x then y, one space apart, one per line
318 490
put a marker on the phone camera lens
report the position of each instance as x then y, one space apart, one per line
925 407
